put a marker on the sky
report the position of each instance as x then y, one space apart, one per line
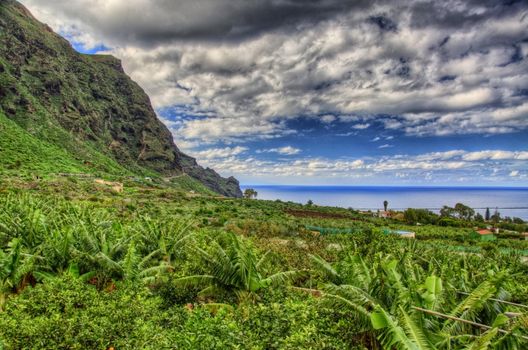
325 92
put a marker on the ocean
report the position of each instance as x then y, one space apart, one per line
510 201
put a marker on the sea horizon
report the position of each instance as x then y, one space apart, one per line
510 201
244 186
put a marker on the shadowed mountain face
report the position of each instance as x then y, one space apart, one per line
86 104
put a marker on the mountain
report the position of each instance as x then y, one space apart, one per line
81 112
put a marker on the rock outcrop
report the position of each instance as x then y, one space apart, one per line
86 103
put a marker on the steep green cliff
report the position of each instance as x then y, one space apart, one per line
85 107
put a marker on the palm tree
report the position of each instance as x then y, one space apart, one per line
56 251
234 267
24 217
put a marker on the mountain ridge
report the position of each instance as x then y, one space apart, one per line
86 104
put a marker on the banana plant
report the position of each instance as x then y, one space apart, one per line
145 269
15 267
234 267
100 247
168 238
385 299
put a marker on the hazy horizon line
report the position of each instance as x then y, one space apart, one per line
525 187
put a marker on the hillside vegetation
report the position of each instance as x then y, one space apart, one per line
85 107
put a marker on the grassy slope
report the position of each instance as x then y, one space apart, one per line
83 108
36 114
22 153
187 183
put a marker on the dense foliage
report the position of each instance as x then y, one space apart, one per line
155 267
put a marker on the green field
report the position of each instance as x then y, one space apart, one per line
166 265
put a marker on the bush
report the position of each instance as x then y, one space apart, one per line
66 313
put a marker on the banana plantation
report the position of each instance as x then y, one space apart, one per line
159 269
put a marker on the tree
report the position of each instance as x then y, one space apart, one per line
487 215
250 193
97 250
446 211
479 218
496 216
146 269
463 211
423 216
376 308
517 220
385 205
389 298
309 203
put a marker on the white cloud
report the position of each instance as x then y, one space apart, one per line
287 150
345 134
441 155
496 155
436 167
227 129
343 66
360 126
328 118
215 153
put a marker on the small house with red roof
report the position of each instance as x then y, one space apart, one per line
483 235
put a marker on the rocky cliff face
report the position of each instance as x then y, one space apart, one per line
46 85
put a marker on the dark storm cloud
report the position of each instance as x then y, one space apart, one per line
460 14
441 67
149 22
384 23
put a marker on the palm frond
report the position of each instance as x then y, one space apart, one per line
484 341
155 270
414 331
329 272
392 334
352 292
470 306
362 273
263 259
195 281
340 301
281 278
